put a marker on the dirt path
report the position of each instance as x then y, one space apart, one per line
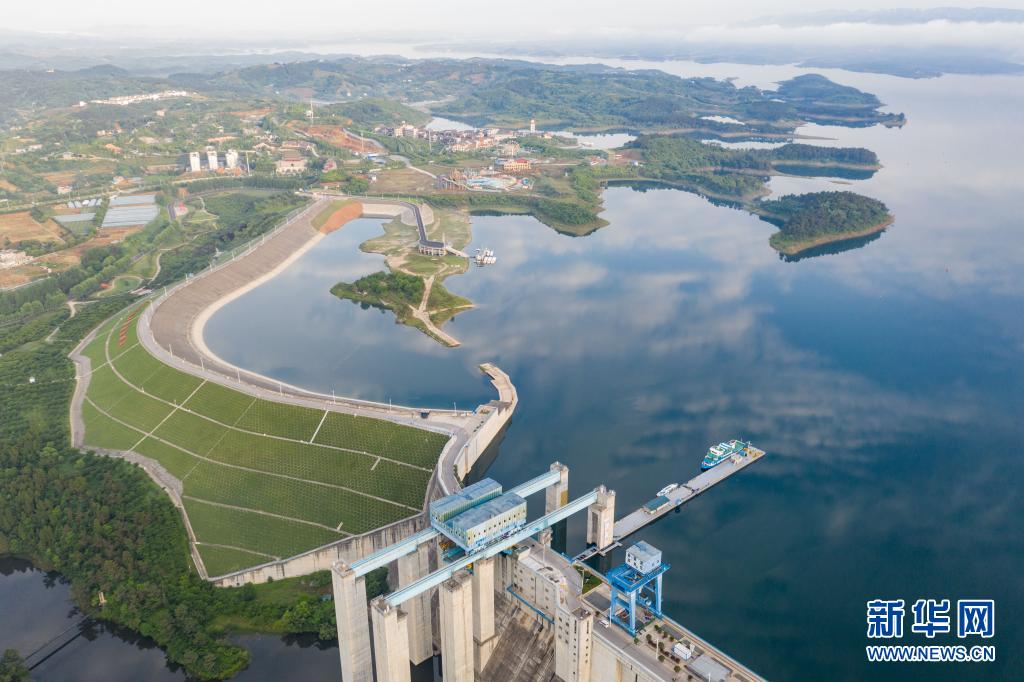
239 549
261 513
349 210
423 316
73 307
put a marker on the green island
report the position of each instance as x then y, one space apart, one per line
809 220
395 291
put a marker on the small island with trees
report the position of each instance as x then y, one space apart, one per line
415 301
806 221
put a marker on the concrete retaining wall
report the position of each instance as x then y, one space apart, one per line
496 415
321 558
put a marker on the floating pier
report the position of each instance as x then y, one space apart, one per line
649 513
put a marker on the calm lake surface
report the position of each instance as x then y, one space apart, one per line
886 383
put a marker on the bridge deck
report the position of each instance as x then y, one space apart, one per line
398 550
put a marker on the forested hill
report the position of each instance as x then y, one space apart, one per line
650 99
666 155
736 175
810 219
489 91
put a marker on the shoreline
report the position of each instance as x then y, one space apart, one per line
807 244
195 317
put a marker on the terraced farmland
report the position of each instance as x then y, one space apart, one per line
261 480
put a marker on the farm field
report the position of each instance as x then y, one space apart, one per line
16 227
20 274
261 480
66 258
403 180
55 261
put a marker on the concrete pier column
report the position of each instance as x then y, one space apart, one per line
544 537
503 567
557 495
353 627
574 640
391 641
456 606
421 633
601 518
483 613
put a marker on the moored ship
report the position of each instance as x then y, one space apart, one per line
721 452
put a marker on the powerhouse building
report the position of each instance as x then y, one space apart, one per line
478 526
444 509
478 514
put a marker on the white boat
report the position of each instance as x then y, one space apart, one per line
667 489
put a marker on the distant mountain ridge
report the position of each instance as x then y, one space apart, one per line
895 16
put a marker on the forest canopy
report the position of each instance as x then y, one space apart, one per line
809 219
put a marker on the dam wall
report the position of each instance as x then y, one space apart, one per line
321 558
491 421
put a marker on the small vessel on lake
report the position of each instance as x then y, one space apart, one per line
484 257
721 452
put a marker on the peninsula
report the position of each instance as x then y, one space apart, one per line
412 287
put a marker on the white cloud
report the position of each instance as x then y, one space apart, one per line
968 35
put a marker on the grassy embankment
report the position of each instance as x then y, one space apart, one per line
262 480
337 214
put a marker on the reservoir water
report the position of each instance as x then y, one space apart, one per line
886 382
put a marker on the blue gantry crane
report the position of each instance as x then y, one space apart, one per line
638 581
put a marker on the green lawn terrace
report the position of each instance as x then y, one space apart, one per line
260 480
